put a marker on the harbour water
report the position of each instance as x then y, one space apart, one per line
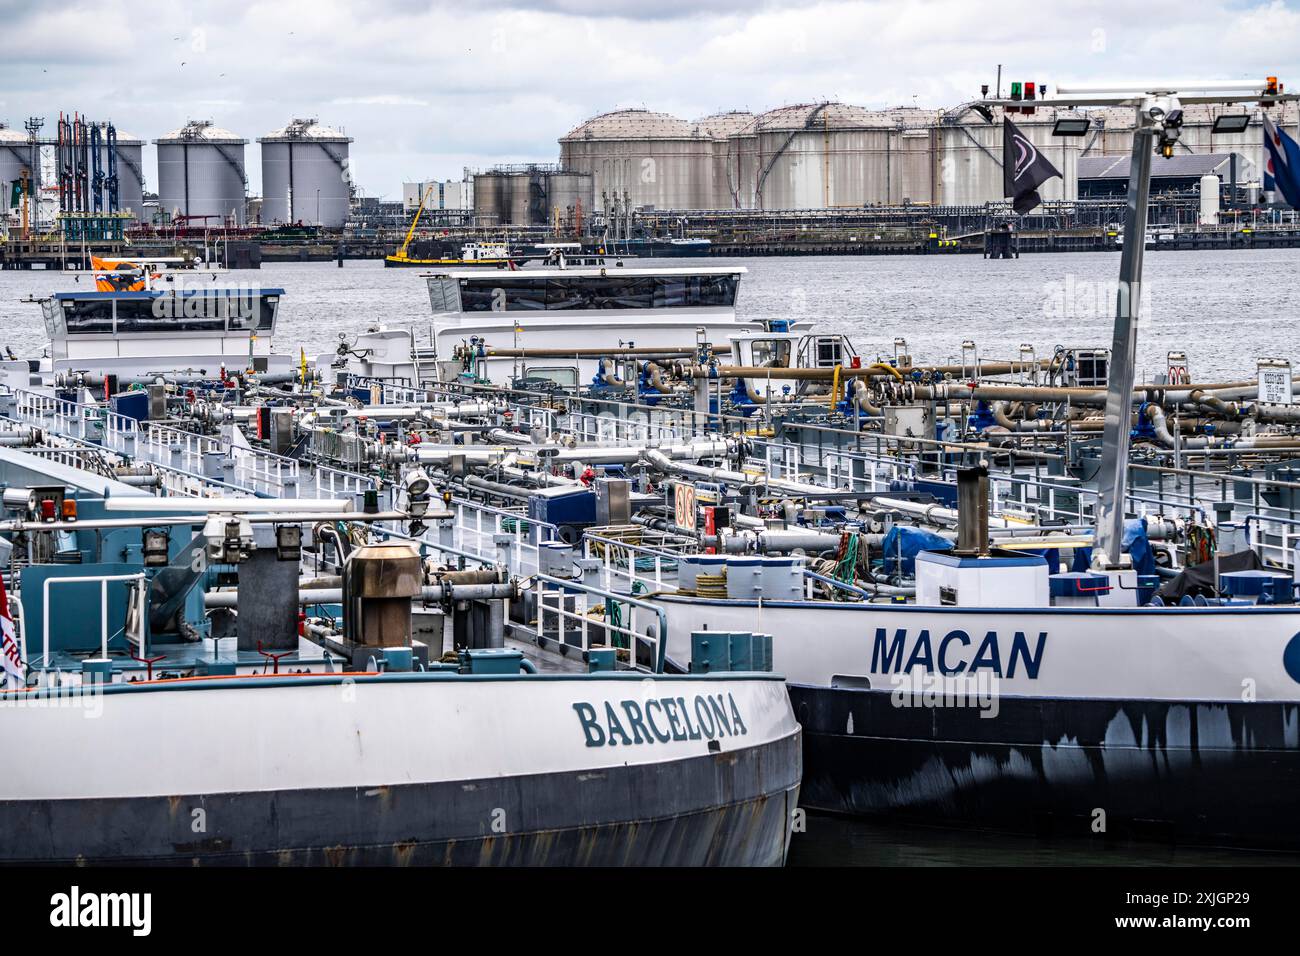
830 840
1224 309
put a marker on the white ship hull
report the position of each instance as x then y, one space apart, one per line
404 769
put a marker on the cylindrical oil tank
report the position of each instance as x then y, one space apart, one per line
1209 200
307 164
970 154
130 170
491 198
717 129
651 159
201 174
828 155
569 194
16 156
525 193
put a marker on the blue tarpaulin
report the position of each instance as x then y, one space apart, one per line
908 542
1135 542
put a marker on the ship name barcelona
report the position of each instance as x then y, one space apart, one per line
662 719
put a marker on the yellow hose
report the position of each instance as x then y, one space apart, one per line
886 368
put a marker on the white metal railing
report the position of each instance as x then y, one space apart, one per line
608 429
388 393
91 423
476 528
626 564
565 614
1274 538
104 581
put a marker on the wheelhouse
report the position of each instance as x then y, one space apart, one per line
564 290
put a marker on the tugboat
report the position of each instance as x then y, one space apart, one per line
431 253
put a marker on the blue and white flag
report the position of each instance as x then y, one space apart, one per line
1281 163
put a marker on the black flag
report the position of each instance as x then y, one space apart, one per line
1024 168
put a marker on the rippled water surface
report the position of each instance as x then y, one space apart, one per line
1225 309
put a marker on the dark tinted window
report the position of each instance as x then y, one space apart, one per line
166 313
603 292
247 312
195 313
89 316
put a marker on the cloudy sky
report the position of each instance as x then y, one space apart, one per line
429 88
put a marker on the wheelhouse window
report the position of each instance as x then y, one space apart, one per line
588 293
563 376
88 315
770 353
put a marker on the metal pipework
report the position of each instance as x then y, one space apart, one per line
20 436
656 376
431 413
1003 417
780 541
1275 413
594 454
432 593
158 521
223 506
1160 425
503 437
797 488
1093 397
645 352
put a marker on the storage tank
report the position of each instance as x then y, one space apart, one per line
526 197
724 181
309 162
658 160
970 154
1209 200
201 173
15 156
826 155
566 192
491 199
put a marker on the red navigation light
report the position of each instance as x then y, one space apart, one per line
47 510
